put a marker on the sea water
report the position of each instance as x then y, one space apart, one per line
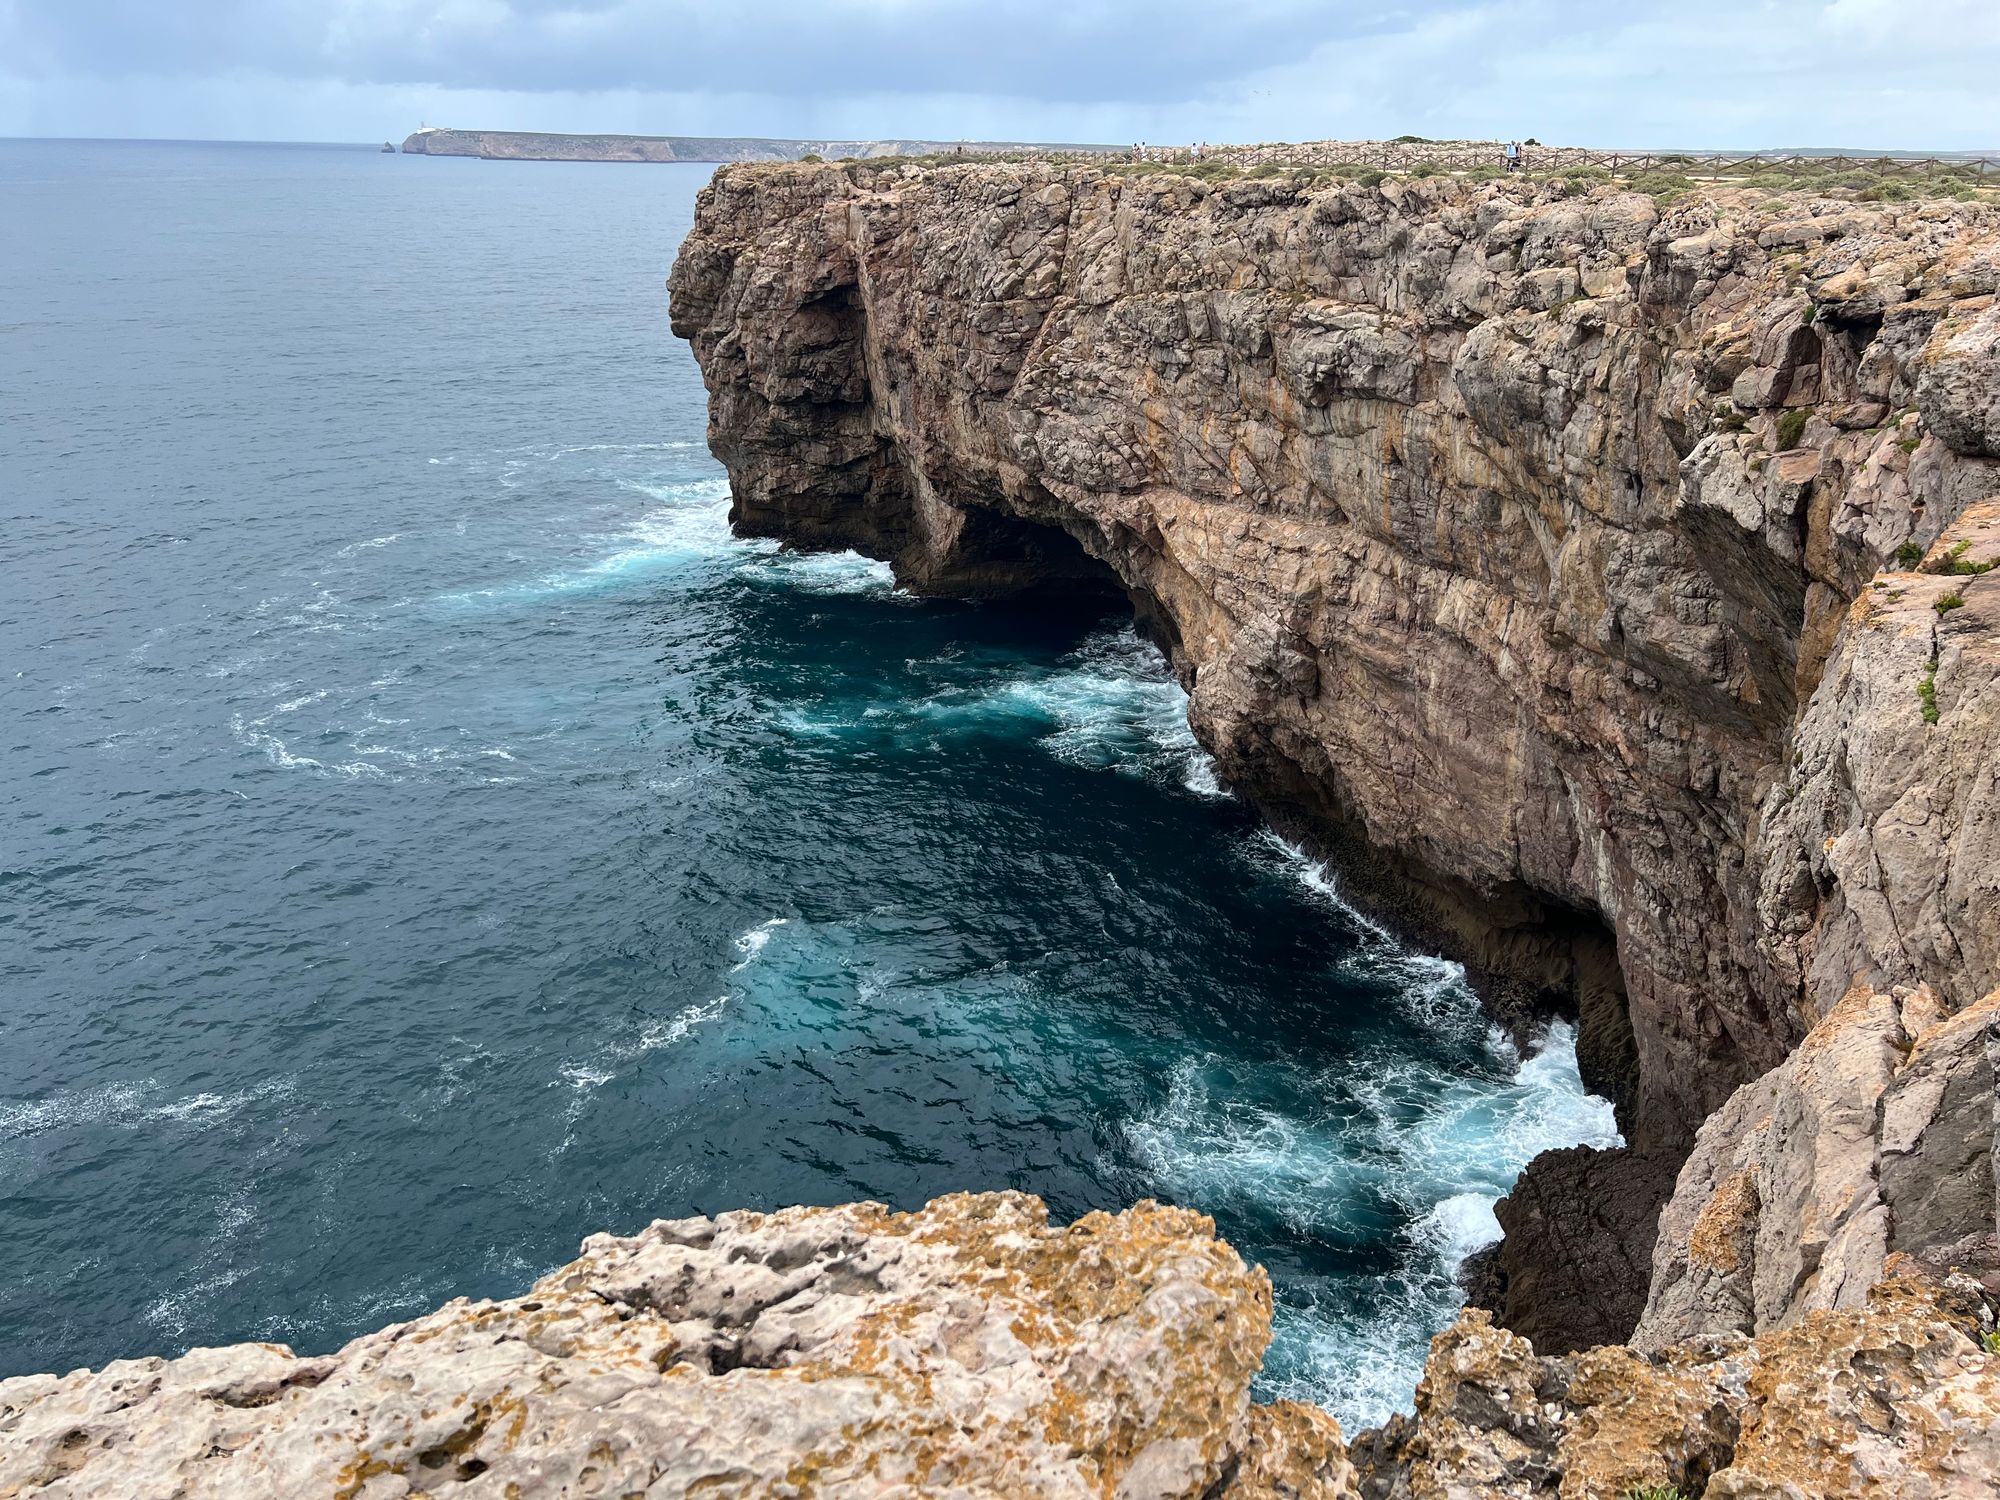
431 836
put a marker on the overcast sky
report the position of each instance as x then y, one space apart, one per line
1715 73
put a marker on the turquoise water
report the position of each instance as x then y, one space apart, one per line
433 837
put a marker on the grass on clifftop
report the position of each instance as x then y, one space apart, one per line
1665 184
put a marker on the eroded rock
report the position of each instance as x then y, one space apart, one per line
970 1348
1897 1396
1876 1136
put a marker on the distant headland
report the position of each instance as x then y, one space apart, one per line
524 145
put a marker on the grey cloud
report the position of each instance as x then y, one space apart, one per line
1089 51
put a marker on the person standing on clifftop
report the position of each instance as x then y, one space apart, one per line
1513 156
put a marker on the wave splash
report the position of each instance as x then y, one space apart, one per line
1111 705
1418 1148
690 526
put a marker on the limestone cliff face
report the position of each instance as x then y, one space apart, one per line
1875 1137
1519 549
972 1349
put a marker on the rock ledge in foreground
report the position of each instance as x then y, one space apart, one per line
969 1348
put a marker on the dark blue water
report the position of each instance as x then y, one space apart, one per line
430 836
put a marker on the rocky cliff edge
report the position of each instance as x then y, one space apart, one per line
973 1349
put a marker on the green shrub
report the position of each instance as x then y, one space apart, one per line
1412 140
1791 427
1990 1340
1655 1492
1372 178
1927 691
1426 169
1955 561
1949 602
1483 174
1909 555
1661 182
812 156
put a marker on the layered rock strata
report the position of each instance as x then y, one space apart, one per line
1518 549
971 1349
1874 1137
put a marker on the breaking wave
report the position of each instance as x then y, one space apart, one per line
1416 1143
691 525
1343 1159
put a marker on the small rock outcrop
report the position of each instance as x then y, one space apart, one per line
1899 1397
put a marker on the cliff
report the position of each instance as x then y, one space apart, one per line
1599 582
1607 586
971 1349
528 145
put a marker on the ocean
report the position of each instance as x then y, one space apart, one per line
431 836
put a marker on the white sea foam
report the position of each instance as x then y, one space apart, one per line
129 1103
112 1102
175 1312
1319 883
1428 1145
1432 1144
1221 1153
752 943
691 525
252 734
658 1034
1110 704
584 1076
374 541
1200 777
566 449
826 572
